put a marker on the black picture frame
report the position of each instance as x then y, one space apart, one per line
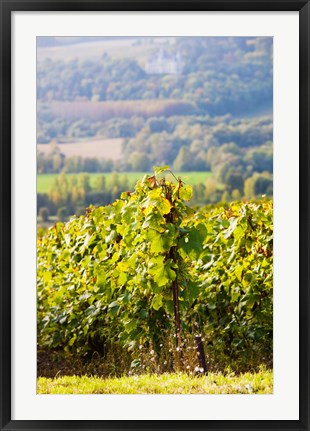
6 8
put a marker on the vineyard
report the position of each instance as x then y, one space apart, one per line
128 286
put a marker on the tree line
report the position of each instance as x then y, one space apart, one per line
71 195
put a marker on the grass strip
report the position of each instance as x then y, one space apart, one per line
248 383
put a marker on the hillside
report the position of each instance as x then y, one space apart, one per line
194 103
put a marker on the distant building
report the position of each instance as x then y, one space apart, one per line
164 62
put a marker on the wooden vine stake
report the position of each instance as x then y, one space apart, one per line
201 355
173 255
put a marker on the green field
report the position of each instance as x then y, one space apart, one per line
45 181
248 383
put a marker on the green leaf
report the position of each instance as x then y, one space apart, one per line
135 363
130 325
235 294
101 278
154 220
192 243
192 291
169 306
113 308
232 227
90 310
143 314
72 340
157 302
163 274
111 236
155 262
126 298
160 242
250 300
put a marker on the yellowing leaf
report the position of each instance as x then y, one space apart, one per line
163 205
238 272
239 233
185 192
122 278
160 169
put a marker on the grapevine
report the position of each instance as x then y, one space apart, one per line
148 265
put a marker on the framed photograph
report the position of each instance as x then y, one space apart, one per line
154 215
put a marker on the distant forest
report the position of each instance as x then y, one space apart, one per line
220 75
